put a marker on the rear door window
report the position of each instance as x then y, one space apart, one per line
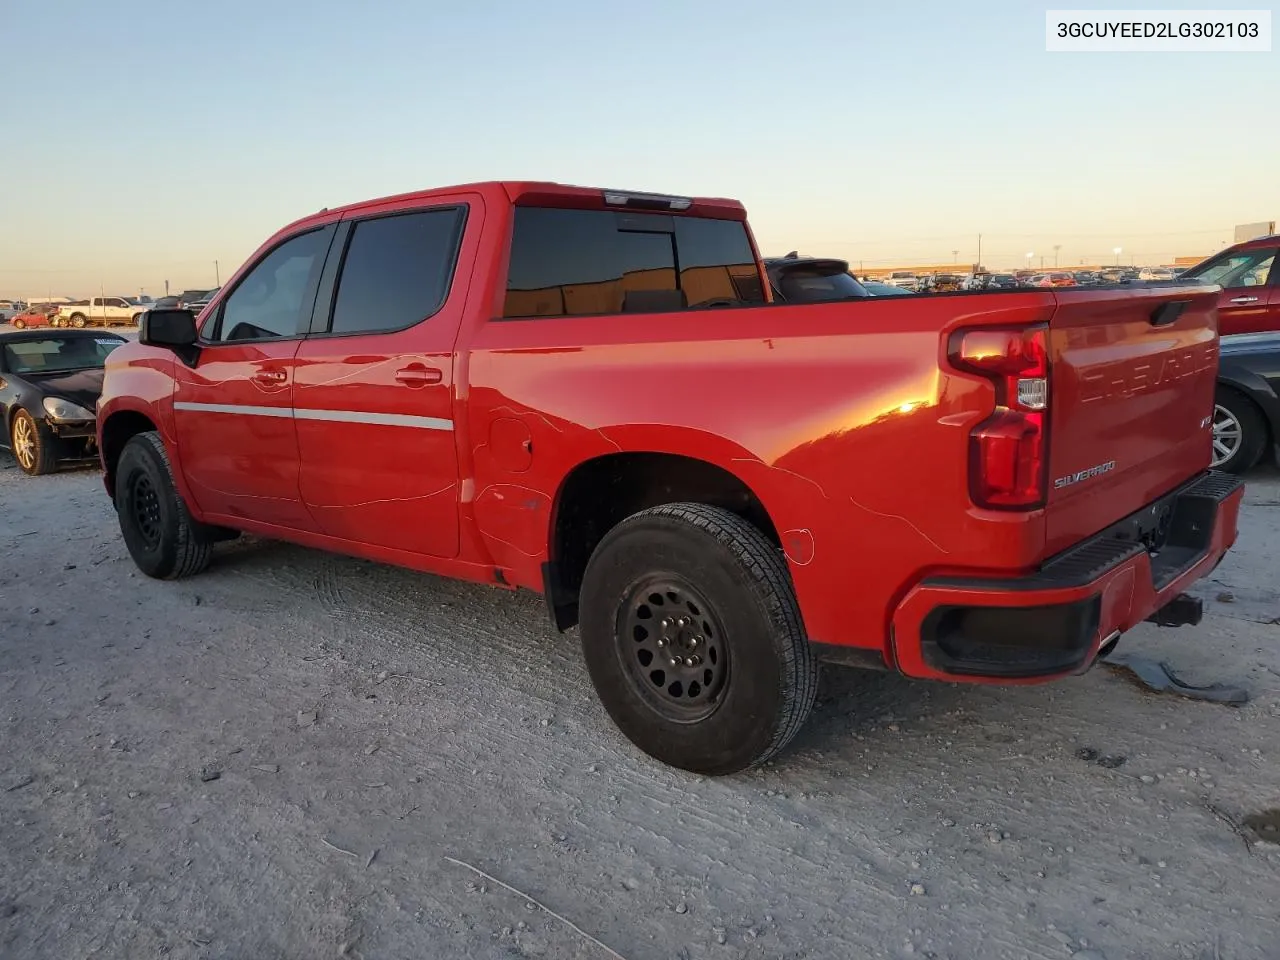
397 270
582 262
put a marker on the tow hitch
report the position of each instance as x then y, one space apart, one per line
1182 610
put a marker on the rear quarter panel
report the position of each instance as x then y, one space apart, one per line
839 417
1256 374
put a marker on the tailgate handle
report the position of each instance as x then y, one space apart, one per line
1167 313
1244 299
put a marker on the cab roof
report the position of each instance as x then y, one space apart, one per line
539 193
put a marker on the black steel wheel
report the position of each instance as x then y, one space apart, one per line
669 638
693 638
163 538
144 507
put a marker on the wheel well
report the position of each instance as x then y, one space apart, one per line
600 493
116 432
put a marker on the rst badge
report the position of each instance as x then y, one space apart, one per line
1089 474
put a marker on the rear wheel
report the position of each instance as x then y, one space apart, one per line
20 323
1239 432
693 638
163 538
79 320
33 444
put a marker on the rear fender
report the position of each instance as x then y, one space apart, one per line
1256 389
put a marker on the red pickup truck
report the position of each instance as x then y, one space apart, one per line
590 394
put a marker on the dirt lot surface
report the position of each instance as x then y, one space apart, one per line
283 757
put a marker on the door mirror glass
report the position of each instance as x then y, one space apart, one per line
172 329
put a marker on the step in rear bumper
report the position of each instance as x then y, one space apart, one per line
1050 623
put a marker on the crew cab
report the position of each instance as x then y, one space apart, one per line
99 312
591 394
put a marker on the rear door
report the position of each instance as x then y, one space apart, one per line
373 401
233 410
1132 379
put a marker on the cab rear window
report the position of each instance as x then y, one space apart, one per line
582 262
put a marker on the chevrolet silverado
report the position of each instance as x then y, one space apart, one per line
591 394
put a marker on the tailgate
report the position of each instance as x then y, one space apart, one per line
1132 383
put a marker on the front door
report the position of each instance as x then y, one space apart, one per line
373 395
233 410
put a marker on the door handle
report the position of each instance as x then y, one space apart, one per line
1244 299
271 376
417 375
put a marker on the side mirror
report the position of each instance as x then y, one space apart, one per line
172 329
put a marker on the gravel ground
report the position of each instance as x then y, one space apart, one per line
293 755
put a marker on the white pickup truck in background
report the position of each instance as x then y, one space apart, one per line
98 312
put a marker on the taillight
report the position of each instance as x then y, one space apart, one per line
1008 452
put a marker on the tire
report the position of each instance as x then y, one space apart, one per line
33 444
79 321
136 319
163 538
19 323
1240 433
731 611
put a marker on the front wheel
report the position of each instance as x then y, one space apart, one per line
137 319
693 638
33 444
1239 432
163 538
19 323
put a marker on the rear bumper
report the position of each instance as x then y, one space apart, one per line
1052 623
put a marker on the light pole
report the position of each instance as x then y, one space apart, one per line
1030 254
217 279
1056 248
1116 251
955 256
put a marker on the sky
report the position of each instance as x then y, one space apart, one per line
147 139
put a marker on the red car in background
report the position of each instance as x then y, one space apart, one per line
1061 280
1250 282
36 315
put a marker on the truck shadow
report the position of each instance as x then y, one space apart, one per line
511 638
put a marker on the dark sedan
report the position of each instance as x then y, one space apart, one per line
1246 415
50 382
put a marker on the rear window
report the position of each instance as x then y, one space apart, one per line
815 284
581 262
